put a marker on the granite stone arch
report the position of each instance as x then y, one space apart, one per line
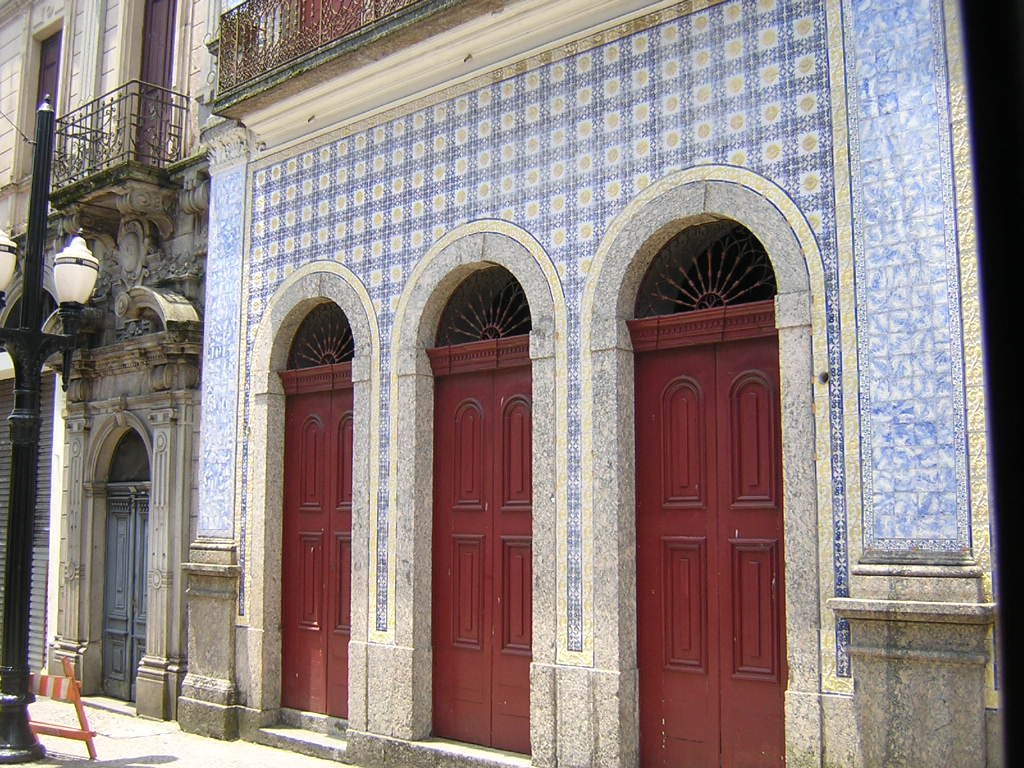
403 638
304 289
681 200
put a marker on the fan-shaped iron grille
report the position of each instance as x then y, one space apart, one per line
711 265
323 338
489 304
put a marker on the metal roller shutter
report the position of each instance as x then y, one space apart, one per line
41 534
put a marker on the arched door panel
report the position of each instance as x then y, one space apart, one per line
316 557
709 539
482 548
126 566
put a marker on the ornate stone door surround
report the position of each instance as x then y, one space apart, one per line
146 384
688 197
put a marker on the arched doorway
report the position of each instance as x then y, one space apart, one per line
316 557
482 522
124 593
710 597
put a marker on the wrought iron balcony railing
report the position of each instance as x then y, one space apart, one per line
135 123
259 35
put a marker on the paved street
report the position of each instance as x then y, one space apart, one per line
126 741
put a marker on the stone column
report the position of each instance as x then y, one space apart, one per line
919 677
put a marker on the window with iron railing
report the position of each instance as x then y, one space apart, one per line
136 123
259 35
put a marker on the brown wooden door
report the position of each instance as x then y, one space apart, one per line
709 539
49 69
158 43
482 548
316 557
156 73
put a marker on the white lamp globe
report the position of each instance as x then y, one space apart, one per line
8 260
75 270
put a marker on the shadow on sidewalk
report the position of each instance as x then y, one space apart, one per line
55 758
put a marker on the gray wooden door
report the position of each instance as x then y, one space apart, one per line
124 612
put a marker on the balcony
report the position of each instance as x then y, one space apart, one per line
136 127
258 36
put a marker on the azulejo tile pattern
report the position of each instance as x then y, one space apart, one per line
220 354
908 285
559 150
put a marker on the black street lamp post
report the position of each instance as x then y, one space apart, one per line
75 271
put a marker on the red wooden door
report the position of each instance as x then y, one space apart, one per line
709 539
482 548
316 557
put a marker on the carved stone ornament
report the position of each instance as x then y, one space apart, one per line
195 197
94 223
147 201
227 143
135 247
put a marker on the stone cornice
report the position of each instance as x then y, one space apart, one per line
912 611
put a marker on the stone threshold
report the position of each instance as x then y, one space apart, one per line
302 741
307 733
434 752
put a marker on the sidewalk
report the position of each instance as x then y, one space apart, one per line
126 741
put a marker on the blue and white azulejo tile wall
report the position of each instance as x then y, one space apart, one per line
561 148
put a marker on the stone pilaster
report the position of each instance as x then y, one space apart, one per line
209 698
162 667
71 640
919 680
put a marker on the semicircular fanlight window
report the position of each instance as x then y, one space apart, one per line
711 265
323 338
489 304
131 460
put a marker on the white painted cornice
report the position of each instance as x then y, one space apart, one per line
469 50
11 8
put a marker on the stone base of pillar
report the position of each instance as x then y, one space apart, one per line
208 704
584 716
919 677
157 686
803 729
86 660
208 707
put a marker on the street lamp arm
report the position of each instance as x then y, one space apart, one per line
29 349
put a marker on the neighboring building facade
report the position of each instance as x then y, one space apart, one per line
598 381
129 176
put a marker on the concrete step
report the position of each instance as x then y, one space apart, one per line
303 741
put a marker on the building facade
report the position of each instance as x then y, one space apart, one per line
129 176
642 420
591 383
